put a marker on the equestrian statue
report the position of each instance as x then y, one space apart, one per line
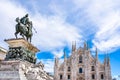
24 28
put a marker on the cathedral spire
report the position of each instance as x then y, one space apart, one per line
108 59
73 45
56 61
96 52
65 66
107 67
65 57
56 67
105 59
85 45
97 65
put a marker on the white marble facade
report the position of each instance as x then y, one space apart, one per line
81 65
2 53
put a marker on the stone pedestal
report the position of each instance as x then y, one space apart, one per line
2 53
22 70
19 63
10 70
21 49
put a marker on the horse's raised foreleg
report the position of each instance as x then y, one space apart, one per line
16 34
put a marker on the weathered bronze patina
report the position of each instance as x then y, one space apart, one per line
24 27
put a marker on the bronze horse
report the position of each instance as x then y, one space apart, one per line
24 30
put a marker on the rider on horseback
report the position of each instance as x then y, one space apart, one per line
24 20
24 27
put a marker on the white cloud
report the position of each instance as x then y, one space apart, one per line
52 31
48 65
8 13
59 53
107 37
116 77
105 15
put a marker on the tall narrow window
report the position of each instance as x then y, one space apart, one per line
102 77
68 68
80 59
92 68
93 76
60 76
80 70
68 76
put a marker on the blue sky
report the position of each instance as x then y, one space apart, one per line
59 22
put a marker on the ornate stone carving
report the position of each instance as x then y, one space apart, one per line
20 53
20 49
82 70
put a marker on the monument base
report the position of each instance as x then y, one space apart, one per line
10 70
19 63
22 70
21 49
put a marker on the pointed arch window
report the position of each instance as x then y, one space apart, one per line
102 76
69 69
93 76
80 70
80 59
68 77
92 68
61 76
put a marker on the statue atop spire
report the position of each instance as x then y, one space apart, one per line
65 57
107 59
85 45
73 45
96 52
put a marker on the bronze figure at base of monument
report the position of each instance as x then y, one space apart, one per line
20 49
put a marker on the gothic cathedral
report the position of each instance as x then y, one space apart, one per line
81 65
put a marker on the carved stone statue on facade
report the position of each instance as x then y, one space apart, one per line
24 27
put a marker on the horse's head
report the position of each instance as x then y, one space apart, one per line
17 20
